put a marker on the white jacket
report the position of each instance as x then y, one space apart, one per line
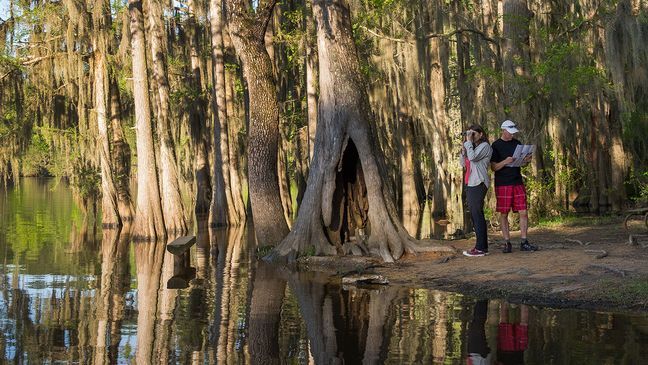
479 158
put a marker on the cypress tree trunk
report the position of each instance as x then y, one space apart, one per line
235 122
344 182
247 31
172 205
411 183
222 209
311 78
149 221
284 180
121 155
197 118
109 211
447 174
516 59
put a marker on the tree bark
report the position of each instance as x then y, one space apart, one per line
516 58
410 180
109 211
234 125
172 205
120 156
247 31
343 127
223 209
149 221
197 118
311 78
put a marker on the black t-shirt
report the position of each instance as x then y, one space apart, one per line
506 175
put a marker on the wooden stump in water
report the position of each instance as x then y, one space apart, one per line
181 244
183 273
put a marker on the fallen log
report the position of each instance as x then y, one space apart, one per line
599 253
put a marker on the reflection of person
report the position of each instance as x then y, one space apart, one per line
509 186
475 157
512 339
478 351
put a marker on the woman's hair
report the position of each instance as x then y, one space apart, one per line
477 128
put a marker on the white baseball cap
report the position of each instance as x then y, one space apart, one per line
510 126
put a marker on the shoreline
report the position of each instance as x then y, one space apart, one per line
569 272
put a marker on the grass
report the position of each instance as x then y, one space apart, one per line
629 292
572 220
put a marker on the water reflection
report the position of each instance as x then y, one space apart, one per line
111 303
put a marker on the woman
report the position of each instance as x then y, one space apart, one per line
475 157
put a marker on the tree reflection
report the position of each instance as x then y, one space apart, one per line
110 298
228 261
149 258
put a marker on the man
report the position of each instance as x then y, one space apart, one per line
509 186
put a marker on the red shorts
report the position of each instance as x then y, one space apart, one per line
512 337
510 196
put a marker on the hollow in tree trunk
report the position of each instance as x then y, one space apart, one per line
345 193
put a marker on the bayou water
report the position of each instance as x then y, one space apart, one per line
73 293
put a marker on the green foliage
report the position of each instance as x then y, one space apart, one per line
637 184
292 36
635 132
567 71
572 220
263 251
37 160
540 194
239 88
309 251
87 180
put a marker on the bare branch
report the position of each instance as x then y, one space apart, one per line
462 30
433 35
380 35
35 60
6 74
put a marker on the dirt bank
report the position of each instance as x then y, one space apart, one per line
590 266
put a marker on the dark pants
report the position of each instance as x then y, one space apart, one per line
475 198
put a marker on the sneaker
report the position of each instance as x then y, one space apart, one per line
526 246
475 253
508 248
